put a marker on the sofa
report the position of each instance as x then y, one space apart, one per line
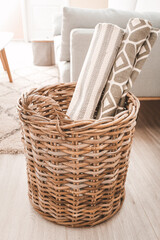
72 36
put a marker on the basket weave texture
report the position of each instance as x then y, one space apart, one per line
76 169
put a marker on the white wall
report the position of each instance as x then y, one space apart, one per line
10 17
88 3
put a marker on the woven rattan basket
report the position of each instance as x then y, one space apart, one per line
76 169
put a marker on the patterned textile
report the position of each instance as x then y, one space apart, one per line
138 30
96 69
140 60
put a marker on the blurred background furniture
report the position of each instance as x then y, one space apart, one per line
5 38
43 52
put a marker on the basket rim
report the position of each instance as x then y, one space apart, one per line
63 122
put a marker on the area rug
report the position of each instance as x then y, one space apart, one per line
24 79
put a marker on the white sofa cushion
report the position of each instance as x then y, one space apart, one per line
89 18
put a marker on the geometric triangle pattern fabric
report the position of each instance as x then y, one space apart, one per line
133 43
140 60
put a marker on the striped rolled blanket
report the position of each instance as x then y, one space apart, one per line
97 66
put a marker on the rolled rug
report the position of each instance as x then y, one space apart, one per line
140 60
137 32
97 66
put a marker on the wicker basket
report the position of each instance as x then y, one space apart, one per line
76 169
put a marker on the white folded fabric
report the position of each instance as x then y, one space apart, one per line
95 71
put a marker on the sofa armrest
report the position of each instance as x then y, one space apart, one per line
79 43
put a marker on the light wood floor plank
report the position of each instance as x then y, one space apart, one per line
145 163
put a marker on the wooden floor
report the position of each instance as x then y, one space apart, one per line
139 218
